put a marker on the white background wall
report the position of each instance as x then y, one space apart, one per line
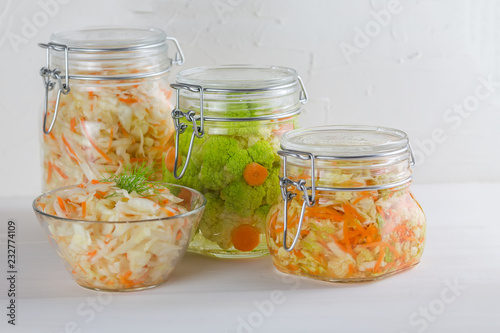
431 56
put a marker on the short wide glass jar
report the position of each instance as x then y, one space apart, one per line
238 114
347 213
107 103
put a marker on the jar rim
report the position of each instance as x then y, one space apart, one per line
239 77
347 141
109 38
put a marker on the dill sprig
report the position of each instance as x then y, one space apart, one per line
136 179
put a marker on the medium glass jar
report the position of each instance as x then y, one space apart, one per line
347 213
238 114
107 103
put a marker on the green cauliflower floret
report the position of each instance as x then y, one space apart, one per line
263 153
242 199
236 165
272 186
223 162
190 179
216 224
240 109
210 224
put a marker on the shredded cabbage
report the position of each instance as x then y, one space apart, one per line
110 254
349 235
102 128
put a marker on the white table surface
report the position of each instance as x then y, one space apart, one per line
211 295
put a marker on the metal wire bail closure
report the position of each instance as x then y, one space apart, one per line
300 185
303 92
48 74
179 55
177 115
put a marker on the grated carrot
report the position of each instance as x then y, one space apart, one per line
92 142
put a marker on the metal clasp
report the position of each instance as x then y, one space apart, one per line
303 92
177 115
300 185
55 74
179 56
413 160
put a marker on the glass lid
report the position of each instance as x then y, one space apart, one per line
238 77
109 37
346 141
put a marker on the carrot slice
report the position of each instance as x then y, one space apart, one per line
73 124
245 237
170 160
84 209
255 174
348 208
99 194
92 254
129 99
325 213
60 201
358 199
107 238
169 213
345 229
70 149
59 171
49 172
103 154
124 279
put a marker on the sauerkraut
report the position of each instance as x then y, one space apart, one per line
350 235
114 239
100 128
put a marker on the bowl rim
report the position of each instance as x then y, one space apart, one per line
167 218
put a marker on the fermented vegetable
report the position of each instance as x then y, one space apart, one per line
238 173
118 233
350 235
101 129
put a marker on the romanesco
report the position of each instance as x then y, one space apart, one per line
241 198
262 152
220 151
272 186
214 226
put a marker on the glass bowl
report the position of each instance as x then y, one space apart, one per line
122 255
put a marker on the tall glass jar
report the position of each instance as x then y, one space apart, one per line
347 213
107 103
238 114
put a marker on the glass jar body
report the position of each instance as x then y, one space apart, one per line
233 225
352 235
105 126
